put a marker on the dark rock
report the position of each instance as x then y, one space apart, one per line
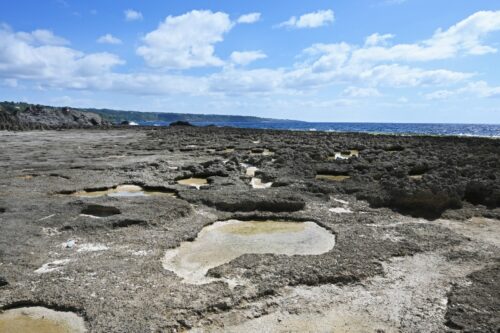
476 307
100 211
3 281
180 123
483 193
246 201
42 117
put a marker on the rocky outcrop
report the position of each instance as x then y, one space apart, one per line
42 117
181 123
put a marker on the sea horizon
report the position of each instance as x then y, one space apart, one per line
434 129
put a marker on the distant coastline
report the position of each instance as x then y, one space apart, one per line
164 119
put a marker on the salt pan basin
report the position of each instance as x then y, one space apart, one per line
40 320
222 242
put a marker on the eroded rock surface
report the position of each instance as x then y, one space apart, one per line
415 219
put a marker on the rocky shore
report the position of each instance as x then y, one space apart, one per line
101 223
21 118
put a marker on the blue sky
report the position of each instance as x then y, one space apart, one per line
358 60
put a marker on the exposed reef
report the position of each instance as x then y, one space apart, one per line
378 232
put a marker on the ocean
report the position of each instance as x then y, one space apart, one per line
479 130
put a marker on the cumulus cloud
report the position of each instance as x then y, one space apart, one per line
26 58
378 39
310 20
235 81
404 76
249 18
246 57
40 36
132 15
465 37
109 39
186 41
477 89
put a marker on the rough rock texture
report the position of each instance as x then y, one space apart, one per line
416 229
475 306
42 117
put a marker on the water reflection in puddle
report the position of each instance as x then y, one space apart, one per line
258 184
344 155
194 182
263 152
250 171
334 178
222 242
123 191
40 320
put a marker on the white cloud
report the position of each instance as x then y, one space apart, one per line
109 39
331 56
132 15
41 36
477 89
186 41
310 20
465 38
357 92
24 58
249 18
245 57
378 39
231 81
404 76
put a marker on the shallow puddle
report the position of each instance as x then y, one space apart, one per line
264 152
194 182
25 177
123 191
335 178
344 155
222 242
258 184
250 171
40 320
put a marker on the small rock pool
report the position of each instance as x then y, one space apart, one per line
38 319
123 191
224 241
